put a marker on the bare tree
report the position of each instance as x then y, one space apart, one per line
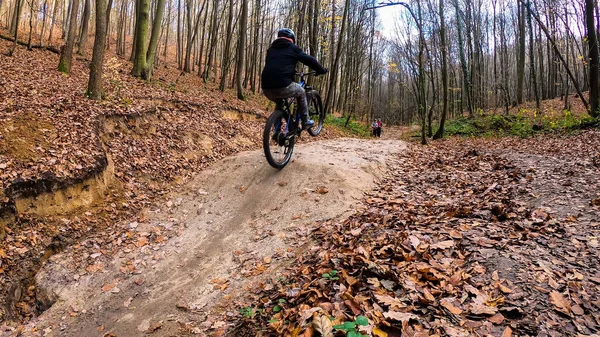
84 27
94 89
592 39
241 48
66 54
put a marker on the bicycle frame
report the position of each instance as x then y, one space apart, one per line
286 107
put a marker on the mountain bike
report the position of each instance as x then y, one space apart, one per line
283 126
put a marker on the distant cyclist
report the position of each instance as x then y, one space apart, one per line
280 67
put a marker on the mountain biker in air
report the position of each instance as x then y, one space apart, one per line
280 67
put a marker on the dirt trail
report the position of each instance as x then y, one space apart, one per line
237 224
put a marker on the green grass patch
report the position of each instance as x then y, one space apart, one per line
355 127
519 125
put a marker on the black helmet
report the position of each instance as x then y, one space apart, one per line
286 32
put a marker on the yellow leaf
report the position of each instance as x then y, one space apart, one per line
379 333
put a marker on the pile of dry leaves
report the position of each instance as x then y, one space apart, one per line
461 238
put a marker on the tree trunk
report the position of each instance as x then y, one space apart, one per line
226 56
423 100
592 39
121 29
167 33
16 17
201 52
66 18
16 34
153 44
52 22
136 34
255 59
179 37
463 60
241 49
336 63
444 48
331 43
66 54
214 31
189 40
559 55
107 34
566 89
521 54
30 26
94 89
532 63
370 68
44 9
84 28
143 15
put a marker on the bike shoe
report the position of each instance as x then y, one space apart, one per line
309 123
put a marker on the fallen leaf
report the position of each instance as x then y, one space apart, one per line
577 310
108 287
414 241
154 327
141 242
482 309
443 244
399 316
455 234
323 325
560 302
447 303
504 289
553 283
507 332
322 190
393 302
428 295
496 319
379 333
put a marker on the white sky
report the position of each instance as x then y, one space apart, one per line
388 15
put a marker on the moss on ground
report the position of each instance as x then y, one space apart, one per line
522 124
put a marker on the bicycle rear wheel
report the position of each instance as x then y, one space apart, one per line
317 113
277 146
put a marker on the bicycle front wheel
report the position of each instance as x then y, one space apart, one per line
277 145
317 113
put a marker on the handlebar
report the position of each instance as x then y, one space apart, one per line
301 74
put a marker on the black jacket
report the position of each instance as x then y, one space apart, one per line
280 65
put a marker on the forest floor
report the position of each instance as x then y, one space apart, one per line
149 221
71 167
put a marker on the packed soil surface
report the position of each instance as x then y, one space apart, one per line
193 259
